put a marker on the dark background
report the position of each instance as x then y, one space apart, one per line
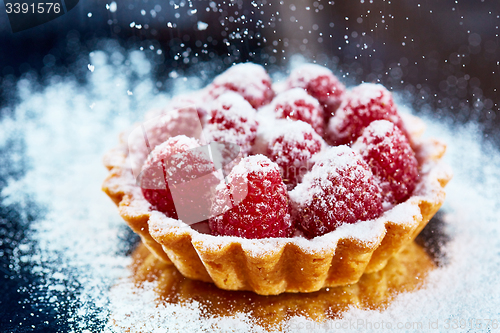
441 56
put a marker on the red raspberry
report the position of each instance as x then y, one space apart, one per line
258 198
231 119
296 104
319 83
174 164
159 128
388 153
291 145
249 80
339 189
362 105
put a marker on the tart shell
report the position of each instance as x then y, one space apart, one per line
275 265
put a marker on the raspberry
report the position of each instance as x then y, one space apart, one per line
196 100
296 104
339 189
362 105
258 199
232 119
172 166
159 128
319 83
291 145
249 80
176 121
388 153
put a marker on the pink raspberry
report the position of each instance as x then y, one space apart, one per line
249 80
291 145
175 163
232 119
296 104
173 121
320 83
389 154
197 100
254 202
339 189
362 105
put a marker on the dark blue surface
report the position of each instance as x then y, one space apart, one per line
16 283
24 305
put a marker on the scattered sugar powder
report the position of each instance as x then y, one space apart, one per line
248 79
77 247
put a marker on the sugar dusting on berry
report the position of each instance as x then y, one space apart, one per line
339 189
296 104
257 164
167 176
320 83
261 209
362 105
232 119
389 154
249 80
77 247
292 145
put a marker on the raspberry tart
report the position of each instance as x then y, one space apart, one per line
278 192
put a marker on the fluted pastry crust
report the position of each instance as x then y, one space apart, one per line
276 265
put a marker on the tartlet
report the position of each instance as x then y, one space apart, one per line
271 266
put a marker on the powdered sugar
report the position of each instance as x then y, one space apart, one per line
80 237
389 154
257 164
249 80
365 92
231 101
295 132
360 106
293 94
306 73
291 144
137 309
339 189
319 83
232 119
76 244
163 150
327 162
380 128
296 104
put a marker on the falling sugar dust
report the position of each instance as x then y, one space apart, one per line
76 249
